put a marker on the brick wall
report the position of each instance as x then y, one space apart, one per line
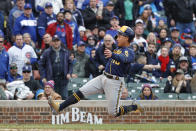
38 112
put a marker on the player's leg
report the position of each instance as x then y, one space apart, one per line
113 90
92 87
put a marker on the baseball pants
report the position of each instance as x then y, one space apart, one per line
111 87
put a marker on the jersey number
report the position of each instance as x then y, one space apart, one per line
115 62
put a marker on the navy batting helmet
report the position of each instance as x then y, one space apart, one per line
127 31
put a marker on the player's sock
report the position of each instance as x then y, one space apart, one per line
74 98
125 109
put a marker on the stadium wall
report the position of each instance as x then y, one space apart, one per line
95 112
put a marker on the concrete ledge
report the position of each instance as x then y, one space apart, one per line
101 103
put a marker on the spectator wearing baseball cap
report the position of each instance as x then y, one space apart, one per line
186 31
147 93
55 65
57 4
176 52
184 64
108 13
188 41
167 42
81 59
175 35
44 20
49 91
114 22
29 81
139 22
13 75
30 26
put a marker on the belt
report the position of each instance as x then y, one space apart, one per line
111 76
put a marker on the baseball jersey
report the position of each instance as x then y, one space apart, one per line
120 61
21 55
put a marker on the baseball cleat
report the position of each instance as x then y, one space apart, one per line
139 109
54 106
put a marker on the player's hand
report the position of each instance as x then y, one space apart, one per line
101 67
107 53
68 76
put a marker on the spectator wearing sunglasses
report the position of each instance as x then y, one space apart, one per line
29 81
13 75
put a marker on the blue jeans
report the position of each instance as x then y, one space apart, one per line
183 26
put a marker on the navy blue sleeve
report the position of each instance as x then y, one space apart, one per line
126 56
135 68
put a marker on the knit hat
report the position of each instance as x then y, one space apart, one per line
148 86
50 83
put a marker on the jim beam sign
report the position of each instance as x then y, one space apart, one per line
77 116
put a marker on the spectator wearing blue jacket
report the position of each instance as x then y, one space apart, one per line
15 12
46 18
73 25
55 64
26 23
4 61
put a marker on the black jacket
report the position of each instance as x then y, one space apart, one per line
180 10
89 16
90 68
184 89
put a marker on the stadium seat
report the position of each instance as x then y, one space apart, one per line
167 96
185 96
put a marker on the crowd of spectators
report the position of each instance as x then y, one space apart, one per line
45 43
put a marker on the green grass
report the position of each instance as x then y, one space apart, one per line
165 127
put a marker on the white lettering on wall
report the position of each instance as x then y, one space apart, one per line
82 116
65 118
77 115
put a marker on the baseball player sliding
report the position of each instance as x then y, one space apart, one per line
111 81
